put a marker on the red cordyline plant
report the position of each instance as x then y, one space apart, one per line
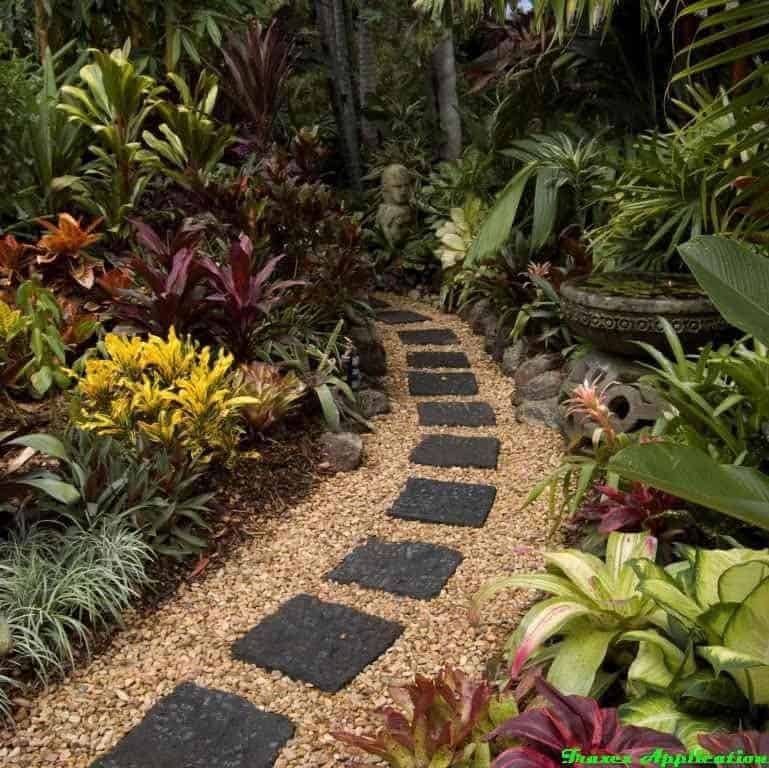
15 258
634 510
443 723
241 299
573 726
172 274
259 64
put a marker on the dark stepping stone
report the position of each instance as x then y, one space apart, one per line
437 360
440 337
423 383
375 303
401 317
201 728
411 568
436 501
325 644
455 451
456 415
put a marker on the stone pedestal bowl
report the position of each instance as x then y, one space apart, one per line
615 309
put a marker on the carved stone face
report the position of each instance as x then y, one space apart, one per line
396 185
395 222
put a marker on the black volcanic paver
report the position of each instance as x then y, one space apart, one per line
429 383
410 568
431 359
456 415
456 451
439 337
325 644
401 317
437 501
198 727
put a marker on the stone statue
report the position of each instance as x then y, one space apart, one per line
394 216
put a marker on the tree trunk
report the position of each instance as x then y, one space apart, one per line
41 29
170 34
445 70
331 23
367 76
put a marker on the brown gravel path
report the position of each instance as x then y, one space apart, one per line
190 637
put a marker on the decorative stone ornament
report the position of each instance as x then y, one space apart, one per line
395 216
616 309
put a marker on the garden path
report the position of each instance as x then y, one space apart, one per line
380 563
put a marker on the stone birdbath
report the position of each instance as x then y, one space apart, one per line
615 309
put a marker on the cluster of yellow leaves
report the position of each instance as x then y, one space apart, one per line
10 321
166 391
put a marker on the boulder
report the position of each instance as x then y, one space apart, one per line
477 314
342 451
513 356
373 403
502 340
542 387
540 412
371 351
547 361
490 325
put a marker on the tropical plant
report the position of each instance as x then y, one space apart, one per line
567 485
639 508
37 337
318 369
15 260
455 235
540 319
57 585
164 391
193 142
67 243
258 66
736 279
114 102
445 721
149 490
172 295
672 186
242 299
565 170
717 401
277 394
573 729
595 603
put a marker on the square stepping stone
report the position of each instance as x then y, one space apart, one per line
456 451
201 728
439 337
401 317
436 501
456 415
437 360
325 644
410 568
426 383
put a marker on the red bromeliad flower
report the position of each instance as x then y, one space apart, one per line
630 510
574 723
589 400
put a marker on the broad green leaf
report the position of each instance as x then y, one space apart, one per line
47 444
736 279
580 657
56 489
496 228
737 582
661 713
694 476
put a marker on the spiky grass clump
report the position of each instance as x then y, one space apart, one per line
56 585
